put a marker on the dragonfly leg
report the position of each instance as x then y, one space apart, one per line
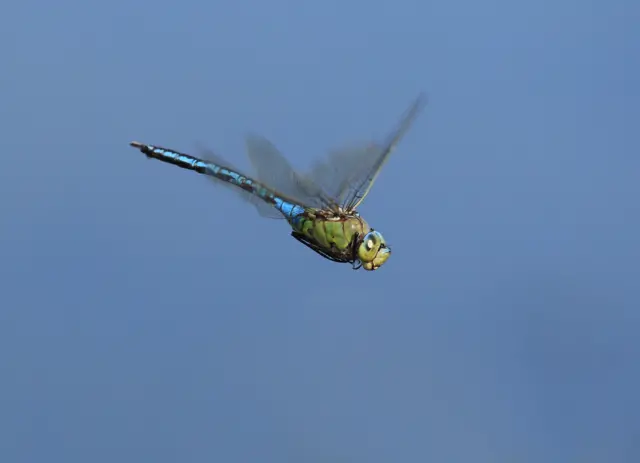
354 245
313 246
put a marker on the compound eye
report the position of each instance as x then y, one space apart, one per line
371 240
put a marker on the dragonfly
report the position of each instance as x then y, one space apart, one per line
321 205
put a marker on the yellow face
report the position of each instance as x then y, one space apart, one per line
373 251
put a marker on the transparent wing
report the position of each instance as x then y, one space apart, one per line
273 169
341 181
348 174
338 171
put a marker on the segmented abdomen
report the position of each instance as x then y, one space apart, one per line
186 161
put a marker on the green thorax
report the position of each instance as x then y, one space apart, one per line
330 232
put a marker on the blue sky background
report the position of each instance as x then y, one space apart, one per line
147 316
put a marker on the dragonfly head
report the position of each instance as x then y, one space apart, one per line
373 250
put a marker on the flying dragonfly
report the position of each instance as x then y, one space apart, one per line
320 206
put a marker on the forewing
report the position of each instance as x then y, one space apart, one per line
341 168
348 174
372 165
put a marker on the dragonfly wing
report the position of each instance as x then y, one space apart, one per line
264 209
273 169
361 184
350 173
341 168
